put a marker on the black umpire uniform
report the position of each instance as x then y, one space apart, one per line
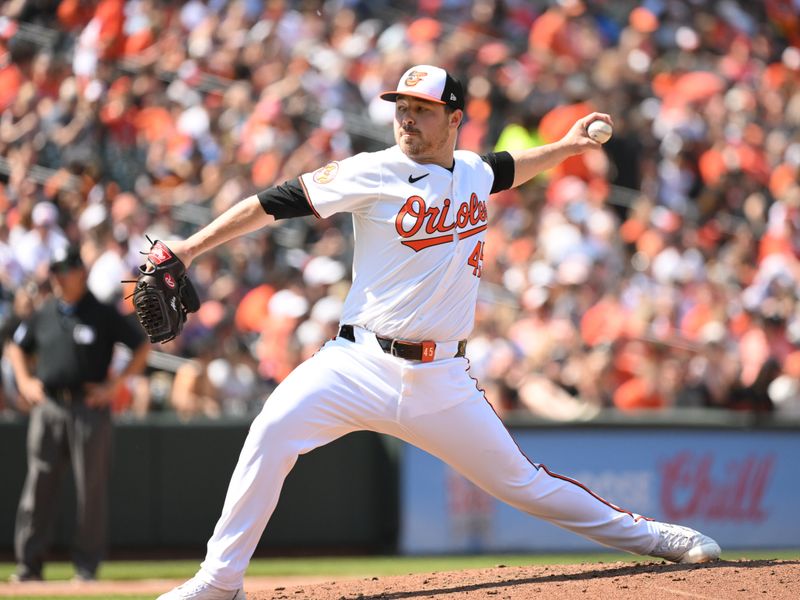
61 358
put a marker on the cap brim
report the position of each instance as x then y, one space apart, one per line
392 96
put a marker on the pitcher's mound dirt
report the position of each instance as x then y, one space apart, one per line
724 580
109 588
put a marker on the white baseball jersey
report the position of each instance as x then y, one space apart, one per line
419 231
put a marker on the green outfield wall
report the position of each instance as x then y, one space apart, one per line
169 481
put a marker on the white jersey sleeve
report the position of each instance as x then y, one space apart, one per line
350 185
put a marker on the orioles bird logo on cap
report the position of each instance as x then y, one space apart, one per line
414 78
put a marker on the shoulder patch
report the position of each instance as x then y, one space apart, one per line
327 173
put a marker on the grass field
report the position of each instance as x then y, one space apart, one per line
343 567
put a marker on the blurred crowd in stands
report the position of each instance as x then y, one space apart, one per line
659 272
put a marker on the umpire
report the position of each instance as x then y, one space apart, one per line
61 357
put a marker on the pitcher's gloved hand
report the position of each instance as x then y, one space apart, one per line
164 295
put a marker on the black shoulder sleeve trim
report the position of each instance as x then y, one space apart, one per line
502 163
286 200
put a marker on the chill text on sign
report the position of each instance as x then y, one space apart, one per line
692 488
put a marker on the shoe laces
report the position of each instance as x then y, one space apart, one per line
195 585
674 538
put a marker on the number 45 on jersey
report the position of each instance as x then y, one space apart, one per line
476 259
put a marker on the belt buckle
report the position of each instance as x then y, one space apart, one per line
428 351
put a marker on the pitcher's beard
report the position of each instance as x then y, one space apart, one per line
422 148
411 146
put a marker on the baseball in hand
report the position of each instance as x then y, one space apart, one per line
599 131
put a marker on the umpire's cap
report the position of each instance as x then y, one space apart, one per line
429 83
65 259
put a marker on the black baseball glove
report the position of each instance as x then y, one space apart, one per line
164 295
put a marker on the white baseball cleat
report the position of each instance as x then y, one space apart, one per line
684 545
195 589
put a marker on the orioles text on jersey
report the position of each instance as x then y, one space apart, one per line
415 213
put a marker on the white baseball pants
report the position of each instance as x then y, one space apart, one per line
437 407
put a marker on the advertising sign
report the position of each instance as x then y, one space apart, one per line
740 487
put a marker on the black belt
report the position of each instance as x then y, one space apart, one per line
65 395
422 351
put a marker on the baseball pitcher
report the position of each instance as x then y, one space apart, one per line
397 367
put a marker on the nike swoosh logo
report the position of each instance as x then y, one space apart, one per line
412 179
